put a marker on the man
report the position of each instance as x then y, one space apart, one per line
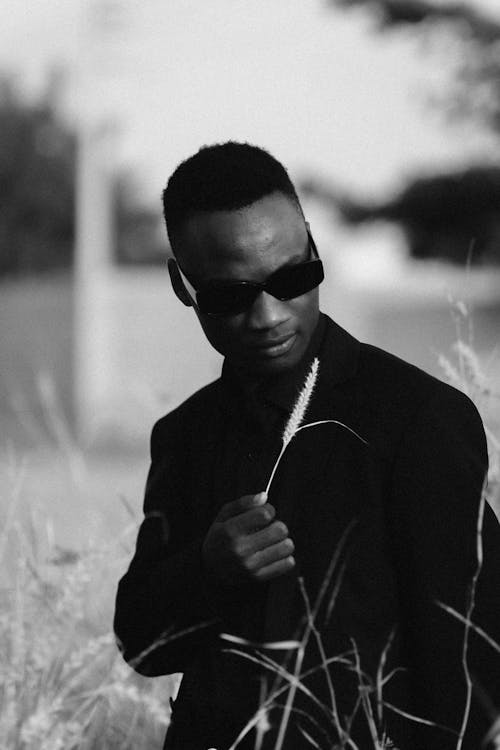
370 521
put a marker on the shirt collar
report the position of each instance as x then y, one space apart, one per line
267 401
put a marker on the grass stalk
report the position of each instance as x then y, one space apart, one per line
470 610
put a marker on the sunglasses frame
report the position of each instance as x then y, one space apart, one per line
188 300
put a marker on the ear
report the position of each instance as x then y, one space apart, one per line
312 243
178 284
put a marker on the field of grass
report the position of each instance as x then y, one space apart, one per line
67 529
67 533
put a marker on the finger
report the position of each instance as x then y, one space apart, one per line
275 532
269 555
241 505
252 520
276 569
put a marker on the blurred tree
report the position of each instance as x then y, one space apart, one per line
37 188
140 238
454 215
37 166
476 92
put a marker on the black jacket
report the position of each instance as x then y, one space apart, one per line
400 511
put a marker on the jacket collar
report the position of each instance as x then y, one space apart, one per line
338 353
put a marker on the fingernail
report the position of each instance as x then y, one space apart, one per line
261 498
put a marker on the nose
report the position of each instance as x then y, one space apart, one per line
266 312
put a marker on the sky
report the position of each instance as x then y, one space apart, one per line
318 87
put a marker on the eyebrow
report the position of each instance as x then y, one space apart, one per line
295 260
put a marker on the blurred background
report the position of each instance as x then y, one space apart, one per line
387 114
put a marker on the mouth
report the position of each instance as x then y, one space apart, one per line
276 347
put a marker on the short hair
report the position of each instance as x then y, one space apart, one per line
223 177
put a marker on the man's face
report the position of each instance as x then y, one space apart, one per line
249 244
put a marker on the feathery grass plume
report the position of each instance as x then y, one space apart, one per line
294 423
298 413
300 406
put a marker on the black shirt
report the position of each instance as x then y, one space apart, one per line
254 415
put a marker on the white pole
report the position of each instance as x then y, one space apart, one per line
94 229
94 239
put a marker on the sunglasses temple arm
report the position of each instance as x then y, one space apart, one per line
312 243
178 284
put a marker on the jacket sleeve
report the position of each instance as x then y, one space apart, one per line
164 611
438 481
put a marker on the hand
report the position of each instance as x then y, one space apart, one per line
246 543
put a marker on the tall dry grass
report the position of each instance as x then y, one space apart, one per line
463 369
63 684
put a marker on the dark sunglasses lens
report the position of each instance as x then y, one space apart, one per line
294 281
226 300
287 283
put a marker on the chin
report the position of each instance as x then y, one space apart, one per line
271 366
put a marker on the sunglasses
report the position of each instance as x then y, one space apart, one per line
223 298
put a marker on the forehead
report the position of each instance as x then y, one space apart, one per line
246 243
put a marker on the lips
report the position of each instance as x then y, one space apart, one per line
275 347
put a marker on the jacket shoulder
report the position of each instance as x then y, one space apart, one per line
391 378
393 392
194 414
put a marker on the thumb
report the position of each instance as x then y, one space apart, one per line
241 505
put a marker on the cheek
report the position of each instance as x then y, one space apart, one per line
223 334
227 335
306 309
